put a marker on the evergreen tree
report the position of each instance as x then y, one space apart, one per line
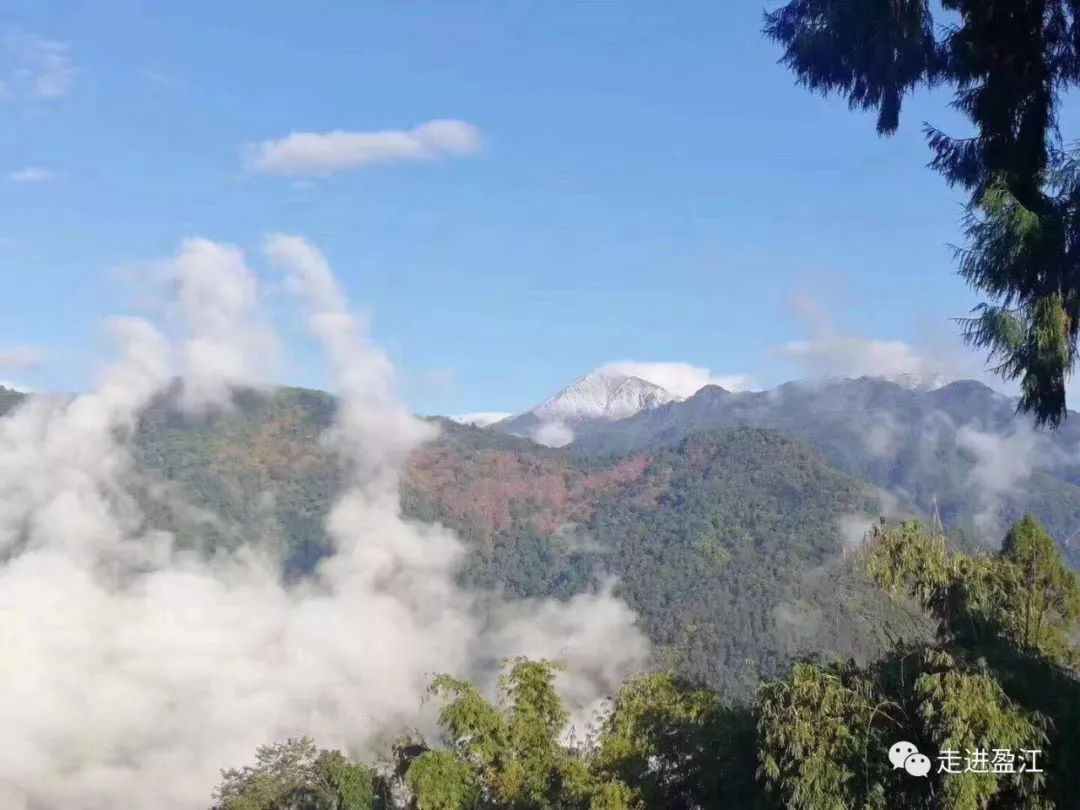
676 745
499 755
1045 597
295 775
998 674
1009 64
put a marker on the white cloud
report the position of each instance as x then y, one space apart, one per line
681 379
323 153
118 644
853 527
480 419
1001 467
882 437
36 67
21 358
552 434
1002 463
853 356
229 344
31 174
830 352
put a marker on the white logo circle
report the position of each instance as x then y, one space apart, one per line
901 751
917 765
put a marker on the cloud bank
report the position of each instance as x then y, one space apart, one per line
31 175
830 352
135 667
681 379
317 154
552 434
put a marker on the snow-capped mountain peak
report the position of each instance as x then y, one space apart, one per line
603 395
918 381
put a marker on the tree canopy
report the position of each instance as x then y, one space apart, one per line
296 775
1009 64
998 677
991 681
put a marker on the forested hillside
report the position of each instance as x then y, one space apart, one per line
961 447
730 546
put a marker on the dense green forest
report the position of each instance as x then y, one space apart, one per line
998 674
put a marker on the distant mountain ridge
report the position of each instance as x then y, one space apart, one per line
915 381
607 395
959 448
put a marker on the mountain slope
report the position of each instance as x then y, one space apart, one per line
729 545
959 448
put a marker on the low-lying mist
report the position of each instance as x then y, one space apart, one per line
133 669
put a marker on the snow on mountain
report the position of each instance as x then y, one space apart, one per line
915 381
603 395
681 379
482 419
610 393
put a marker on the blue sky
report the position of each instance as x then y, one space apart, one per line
647 184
